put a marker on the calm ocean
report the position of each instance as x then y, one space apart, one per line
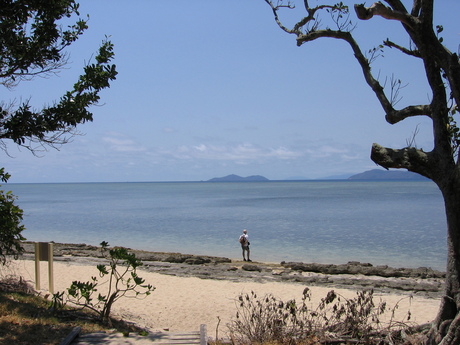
401 224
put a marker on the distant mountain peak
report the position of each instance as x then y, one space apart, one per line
236 178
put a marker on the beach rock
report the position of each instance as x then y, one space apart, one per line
84 250
177 259
354 274
367 269
359 263
308 280
220 260
278 272
251 268
197 260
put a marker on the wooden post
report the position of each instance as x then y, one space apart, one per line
50 268
37 266
44 252
203 335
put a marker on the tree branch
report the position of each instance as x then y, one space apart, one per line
409 158
426 12
364 63
396 116
297 28
396 5
380 9
418 25
416 8
390 44
392 115
311 16
275 14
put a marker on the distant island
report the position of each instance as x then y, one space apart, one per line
370 175
236 178
378 174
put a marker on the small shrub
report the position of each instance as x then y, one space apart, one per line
269 320
121 281
263 320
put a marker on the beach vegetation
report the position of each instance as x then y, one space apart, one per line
335 320
440 67
26 317
10 224
116 279
34 36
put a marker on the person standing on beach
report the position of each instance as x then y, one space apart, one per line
244 240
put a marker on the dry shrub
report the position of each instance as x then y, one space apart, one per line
336 319
12 283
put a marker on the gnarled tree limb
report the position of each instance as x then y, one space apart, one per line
409 158
380 9
413 110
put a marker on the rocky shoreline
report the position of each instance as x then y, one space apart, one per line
420 281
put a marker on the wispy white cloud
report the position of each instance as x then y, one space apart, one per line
117 157
169 130
235 153
324 151
285 153
119 143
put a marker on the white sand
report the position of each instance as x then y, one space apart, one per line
183 304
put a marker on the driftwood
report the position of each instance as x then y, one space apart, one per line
71 336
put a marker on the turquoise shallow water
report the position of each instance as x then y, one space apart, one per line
394 223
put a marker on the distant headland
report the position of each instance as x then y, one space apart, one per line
378 174
370 175
236 178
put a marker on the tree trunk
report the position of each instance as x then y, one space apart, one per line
446 327
105 313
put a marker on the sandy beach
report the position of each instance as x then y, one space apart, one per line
183 303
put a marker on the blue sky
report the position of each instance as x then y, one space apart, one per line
211 88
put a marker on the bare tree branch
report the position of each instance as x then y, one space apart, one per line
392 115
408 158
412 24
297 28
397 5
390 44
380 9
11 78
364 63
275 9
410 111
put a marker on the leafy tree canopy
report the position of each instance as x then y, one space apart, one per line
32 43
33 39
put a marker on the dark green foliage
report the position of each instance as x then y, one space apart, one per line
10 223
33 38
53 125
32 42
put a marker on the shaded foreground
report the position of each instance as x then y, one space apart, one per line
27 319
